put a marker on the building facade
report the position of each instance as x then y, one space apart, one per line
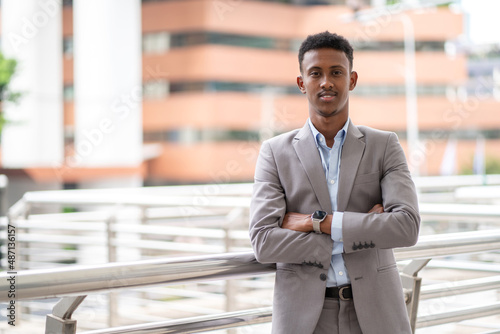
219 76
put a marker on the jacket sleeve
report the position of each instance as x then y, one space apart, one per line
270 242
399 225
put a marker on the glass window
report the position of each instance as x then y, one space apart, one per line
68 93
158 89
68 46
157 42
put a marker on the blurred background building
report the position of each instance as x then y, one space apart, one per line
219 76
126 93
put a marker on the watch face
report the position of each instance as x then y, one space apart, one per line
319 215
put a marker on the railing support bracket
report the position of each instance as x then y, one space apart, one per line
60 322
411 285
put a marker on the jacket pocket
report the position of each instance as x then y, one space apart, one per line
386 260
387 268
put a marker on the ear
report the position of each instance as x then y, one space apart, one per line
353 80
300 83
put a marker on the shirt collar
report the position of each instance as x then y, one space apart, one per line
317 135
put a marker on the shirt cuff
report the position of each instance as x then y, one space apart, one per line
336 230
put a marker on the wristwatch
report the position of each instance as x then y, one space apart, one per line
317 217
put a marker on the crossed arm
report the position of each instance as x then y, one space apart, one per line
302 223
280 236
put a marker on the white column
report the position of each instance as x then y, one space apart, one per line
415 153
107 83
32 34
378 3
108 95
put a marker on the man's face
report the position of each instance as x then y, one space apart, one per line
326 80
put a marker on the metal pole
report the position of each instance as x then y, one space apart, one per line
412 284
112 296
411 93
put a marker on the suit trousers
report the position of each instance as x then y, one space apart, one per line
338 317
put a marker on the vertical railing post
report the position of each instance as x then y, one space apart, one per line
412 284
110 237
144 252
20 210
232 219
112 296
4 183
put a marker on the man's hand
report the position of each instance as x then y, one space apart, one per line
297 222
302 223
377 208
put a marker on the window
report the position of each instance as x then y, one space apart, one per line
158 42
157 89
68 46
68 93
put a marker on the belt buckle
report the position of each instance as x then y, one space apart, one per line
341 293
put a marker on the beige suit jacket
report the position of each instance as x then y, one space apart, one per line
289 177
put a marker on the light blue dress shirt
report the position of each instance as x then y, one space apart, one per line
330 159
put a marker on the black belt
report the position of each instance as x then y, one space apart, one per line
343 292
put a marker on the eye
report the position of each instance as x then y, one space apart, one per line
337 72
314 74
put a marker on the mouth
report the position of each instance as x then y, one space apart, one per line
327 96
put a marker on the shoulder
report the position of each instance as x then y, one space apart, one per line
369 131
282 139
275 149
375 135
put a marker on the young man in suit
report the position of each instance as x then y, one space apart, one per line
330 202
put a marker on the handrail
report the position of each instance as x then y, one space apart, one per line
459 315
451 244
465 286
454 181
195 324
133 209
224 195
78 280
459 211
129 199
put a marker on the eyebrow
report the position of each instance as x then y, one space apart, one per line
331 67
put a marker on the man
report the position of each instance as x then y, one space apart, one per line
330 202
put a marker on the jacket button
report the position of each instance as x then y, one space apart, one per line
322 277
354 247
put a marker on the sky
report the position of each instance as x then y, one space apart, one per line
482 20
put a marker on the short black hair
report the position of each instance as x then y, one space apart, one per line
326 40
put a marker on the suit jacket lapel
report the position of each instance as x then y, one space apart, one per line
308 154
352 151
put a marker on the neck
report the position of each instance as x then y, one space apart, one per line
329 127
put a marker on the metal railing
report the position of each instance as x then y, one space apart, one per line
215 217
79 281
113 225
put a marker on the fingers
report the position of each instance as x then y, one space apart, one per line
377 208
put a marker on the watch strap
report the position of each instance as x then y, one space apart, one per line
316 225
317 221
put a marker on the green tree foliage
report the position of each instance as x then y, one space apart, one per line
7 69
492 166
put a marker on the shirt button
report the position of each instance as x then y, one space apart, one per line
332 181
322 277
341 273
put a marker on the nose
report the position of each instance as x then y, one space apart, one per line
326 84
